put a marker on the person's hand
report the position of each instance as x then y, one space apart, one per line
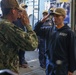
25 18
45 18
70 73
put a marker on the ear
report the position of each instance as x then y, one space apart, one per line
64 17
13 11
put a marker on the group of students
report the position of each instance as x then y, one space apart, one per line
56 42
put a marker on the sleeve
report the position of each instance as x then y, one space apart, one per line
37 27
42 32
72 52
23 40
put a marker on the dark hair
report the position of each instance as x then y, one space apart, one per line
5 11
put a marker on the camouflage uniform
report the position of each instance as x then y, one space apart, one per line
13 38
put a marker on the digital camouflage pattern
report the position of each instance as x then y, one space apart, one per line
12 39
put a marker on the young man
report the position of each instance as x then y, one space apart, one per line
13 38
61 47
41 28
